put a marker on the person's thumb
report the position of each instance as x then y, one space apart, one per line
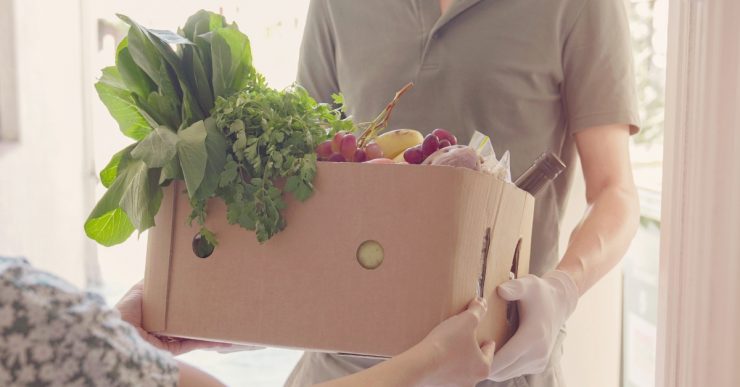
488 349
511 290
478 307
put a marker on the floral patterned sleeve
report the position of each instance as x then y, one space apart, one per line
54 335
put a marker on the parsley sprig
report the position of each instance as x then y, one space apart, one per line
271 140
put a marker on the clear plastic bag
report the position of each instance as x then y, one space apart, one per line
489 163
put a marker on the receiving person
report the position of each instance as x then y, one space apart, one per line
535 77
52 334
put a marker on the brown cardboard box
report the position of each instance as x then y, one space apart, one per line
304 288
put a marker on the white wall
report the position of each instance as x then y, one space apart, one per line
46 166
593 345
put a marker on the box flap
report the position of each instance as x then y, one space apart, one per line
509 238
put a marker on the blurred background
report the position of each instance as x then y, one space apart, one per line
55 136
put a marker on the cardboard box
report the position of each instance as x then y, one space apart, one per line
443 230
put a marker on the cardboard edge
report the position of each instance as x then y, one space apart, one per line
158 259
492 225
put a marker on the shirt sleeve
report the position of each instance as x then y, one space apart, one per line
316 62
599 82
53 334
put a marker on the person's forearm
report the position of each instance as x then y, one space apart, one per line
193 377
603 236
406 370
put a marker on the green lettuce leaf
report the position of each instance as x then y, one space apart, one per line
231 57
118 161
132 75
141 194
121 105
216 150
158 148
191 150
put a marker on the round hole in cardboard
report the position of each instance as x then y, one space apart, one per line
202 248
512 308
370 254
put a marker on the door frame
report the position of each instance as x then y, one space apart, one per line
699 296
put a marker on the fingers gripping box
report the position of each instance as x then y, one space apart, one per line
446 234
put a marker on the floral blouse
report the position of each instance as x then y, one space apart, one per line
51 334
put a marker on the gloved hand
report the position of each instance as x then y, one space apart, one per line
544 305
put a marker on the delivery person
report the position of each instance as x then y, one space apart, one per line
535 76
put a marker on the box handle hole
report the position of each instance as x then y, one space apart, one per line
370 254
512 308
202 248
484 262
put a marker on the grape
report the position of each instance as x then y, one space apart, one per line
324 150
373 151
336 144
337 158
360 156
444 143
413 155
445 135
430 145
348 147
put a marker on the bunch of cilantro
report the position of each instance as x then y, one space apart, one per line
272 136
198 111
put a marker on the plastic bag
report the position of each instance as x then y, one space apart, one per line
490 164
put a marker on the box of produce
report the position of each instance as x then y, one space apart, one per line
275 220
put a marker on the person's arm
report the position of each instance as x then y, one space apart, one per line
596 246
605 232
193 377
449 355
601 109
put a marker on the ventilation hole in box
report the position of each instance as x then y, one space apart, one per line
370 254
512 310
484 261
202 248
515 261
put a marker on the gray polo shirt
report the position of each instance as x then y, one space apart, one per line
528 73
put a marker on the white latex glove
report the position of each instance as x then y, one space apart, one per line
544 305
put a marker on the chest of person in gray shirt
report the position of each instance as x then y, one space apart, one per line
527 73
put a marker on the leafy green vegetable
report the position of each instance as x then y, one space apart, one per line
200 112
130 203
121 106
272 136
216 149
158 148
141 194
231 61
110 172
191 149
134 78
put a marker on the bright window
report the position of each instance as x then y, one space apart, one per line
8 93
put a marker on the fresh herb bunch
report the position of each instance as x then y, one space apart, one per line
272 136
162 92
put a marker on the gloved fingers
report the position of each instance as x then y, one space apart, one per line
511 290
508 355
507 373
521 367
